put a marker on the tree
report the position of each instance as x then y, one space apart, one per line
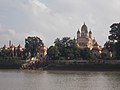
58 42
33 45
53 53
115 38
115 32
85 53
67 49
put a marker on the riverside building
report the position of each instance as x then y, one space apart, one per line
86 40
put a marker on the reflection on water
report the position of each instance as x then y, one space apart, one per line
59 80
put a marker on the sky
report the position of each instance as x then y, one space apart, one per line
51 19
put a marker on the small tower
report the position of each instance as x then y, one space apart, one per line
94 41
9 43
78 34
90 34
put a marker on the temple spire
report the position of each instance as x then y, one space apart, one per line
84 22
78 32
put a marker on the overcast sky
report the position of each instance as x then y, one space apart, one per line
51 19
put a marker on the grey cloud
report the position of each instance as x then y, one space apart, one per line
50 19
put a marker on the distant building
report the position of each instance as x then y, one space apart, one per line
85 39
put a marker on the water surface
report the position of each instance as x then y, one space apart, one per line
59 80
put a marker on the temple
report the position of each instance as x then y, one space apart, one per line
85 38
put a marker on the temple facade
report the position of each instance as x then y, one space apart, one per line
85 38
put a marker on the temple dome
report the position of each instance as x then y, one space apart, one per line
84 28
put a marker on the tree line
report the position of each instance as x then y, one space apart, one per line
66 48
33 48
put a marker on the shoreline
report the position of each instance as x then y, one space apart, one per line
77 65
85 67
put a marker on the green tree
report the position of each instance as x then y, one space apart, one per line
85 54
53 53
115 32
33 45
58 42
66 48
115 38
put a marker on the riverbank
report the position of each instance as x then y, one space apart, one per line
10 66
10 63
102 65
85 67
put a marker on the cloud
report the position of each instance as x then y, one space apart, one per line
50 19
20 21
16 37
41 6
37 7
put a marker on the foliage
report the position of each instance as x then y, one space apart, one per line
115 39
13 57
33 46
115 32
67 49
85 53
53 52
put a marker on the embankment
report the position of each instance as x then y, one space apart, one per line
101 67
84 65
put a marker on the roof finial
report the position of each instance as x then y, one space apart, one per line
78 31
90 31
74 38
84 22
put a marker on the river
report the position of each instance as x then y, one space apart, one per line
59 80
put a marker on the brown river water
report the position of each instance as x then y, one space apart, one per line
59 80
